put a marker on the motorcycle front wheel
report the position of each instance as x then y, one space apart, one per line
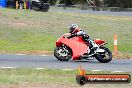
104 57
63 53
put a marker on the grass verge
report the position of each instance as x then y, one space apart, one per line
28 31
48 78
18 76
21 75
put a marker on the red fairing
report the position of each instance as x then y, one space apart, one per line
99 41
77 45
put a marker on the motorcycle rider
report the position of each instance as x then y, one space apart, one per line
76 31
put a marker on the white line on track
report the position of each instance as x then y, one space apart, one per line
7 67
42 55
19 54
62 69
26 54
96 70
116 71
67 69
40 68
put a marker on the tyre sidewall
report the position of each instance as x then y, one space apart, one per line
60 58
100 59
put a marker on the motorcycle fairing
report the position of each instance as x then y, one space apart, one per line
76 44
99 41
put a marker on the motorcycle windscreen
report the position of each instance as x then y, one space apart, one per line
78 48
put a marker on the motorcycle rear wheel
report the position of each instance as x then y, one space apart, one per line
105 57
63 55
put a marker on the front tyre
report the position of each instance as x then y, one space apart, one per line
63 53
104 57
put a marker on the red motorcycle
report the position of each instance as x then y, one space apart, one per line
68 47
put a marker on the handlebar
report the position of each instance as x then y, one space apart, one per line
68 36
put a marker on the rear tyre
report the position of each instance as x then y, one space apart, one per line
104 57
63 53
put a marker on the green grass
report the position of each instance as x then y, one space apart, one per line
50 76
18 76
33 78
23 30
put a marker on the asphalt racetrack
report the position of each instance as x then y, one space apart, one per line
109 13
50 62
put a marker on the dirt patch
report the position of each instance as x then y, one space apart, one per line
33 52
18 24
13 23
38 52
121 55
46 85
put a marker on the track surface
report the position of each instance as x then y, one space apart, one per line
35 61
109 13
